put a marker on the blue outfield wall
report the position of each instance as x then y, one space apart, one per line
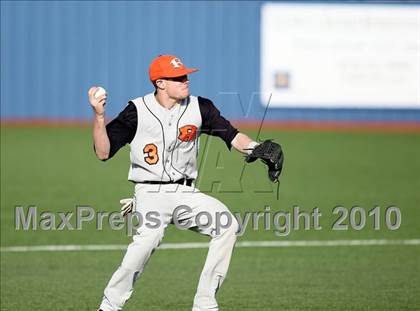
52 52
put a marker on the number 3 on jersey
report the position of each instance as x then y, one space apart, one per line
152 156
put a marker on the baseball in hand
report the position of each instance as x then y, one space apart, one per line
99 92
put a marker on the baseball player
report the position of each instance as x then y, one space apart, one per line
163 129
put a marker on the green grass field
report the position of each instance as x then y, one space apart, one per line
56 170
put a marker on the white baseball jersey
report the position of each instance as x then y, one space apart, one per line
164 142
165 146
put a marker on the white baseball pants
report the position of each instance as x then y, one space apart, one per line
182 204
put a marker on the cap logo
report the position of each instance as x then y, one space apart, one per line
176 62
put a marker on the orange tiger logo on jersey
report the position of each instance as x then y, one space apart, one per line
187 132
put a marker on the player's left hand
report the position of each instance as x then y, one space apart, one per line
272 155
128 206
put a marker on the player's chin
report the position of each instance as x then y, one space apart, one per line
184 94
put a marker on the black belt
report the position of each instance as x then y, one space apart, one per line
183 181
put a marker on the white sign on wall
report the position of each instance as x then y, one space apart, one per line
340 55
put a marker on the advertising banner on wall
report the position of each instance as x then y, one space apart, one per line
340 55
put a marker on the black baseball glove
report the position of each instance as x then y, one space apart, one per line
271 154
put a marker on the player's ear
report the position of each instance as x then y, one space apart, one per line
160 84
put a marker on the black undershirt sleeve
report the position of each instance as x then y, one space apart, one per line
214 124
122 129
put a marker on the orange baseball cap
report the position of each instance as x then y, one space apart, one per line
168 66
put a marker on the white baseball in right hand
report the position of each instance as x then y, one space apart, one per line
97 99
99 92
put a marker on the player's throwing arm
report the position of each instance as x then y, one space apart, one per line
97 100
